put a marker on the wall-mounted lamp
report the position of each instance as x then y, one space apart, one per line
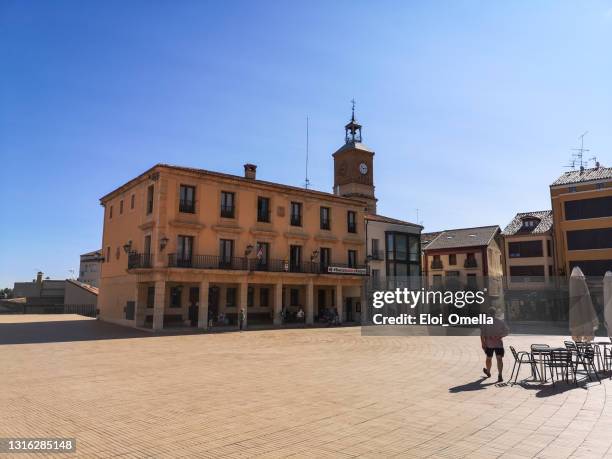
128 246
314 256
248 250
163 242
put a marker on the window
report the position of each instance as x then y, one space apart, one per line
263 209
325 214
530 223
230 297
147 245
250 297
150 191
470 260
376 254
264 297
227 204
295 258
452 259
150 296
324 258
548 248
226 251
592 267
550 270
296 214
472 282
107 255
524 272
351 221
600 186
589 239
437 280
184 250
175 296
121 207
403 254
588 208
110 212
525 249
132 201
294 294
187 199
352 258
572 189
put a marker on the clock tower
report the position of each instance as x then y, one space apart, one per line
353 167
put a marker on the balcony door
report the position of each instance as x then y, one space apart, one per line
226 252
295 258
184 250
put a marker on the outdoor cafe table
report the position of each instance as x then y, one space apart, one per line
543 353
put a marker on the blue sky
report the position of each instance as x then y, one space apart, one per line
472 107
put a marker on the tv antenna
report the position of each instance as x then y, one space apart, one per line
307 181
578 157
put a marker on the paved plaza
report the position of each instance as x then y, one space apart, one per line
283 393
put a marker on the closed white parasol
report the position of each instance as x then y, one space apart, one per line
582 317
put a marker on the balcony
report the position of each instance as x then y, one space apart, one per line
227 211
140 260
352 227
187 206
296 220
325 224
378 255
207 262
263 216
256 265
470 263
436 264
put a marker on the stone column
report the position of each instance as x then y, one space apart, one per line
139 308
339 302
309 303
203 305
244 287
159 305
278 303
364 304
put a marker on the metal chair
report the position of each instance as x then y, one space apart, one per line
520 358
587 359
561 361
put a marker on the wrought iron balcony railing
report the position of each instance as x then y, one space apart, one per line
255 264
436 264
140 260
470 263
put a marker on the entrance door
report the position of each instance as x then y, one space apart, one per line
213 303
349 309
194 299
321 304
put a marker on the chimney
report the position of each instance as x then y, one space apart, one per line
39 276
250 171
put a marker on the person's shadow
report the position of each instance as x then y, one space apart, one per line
471 386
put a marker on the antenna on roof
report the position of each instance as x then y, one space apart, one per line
577 158
307 181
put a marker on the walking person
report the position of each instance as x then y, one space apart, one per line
242 319
491 339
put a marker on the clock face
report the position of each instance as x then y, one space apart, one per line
363 168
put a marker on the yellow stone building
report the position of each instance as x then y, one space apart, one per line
582 227
191 247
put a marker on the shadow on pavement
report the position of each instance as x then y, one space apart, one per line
471 386
71 330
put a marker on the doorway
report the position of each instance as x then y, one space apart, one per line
213 303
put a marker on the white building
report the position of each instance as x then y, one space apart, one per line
89 270
393 247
